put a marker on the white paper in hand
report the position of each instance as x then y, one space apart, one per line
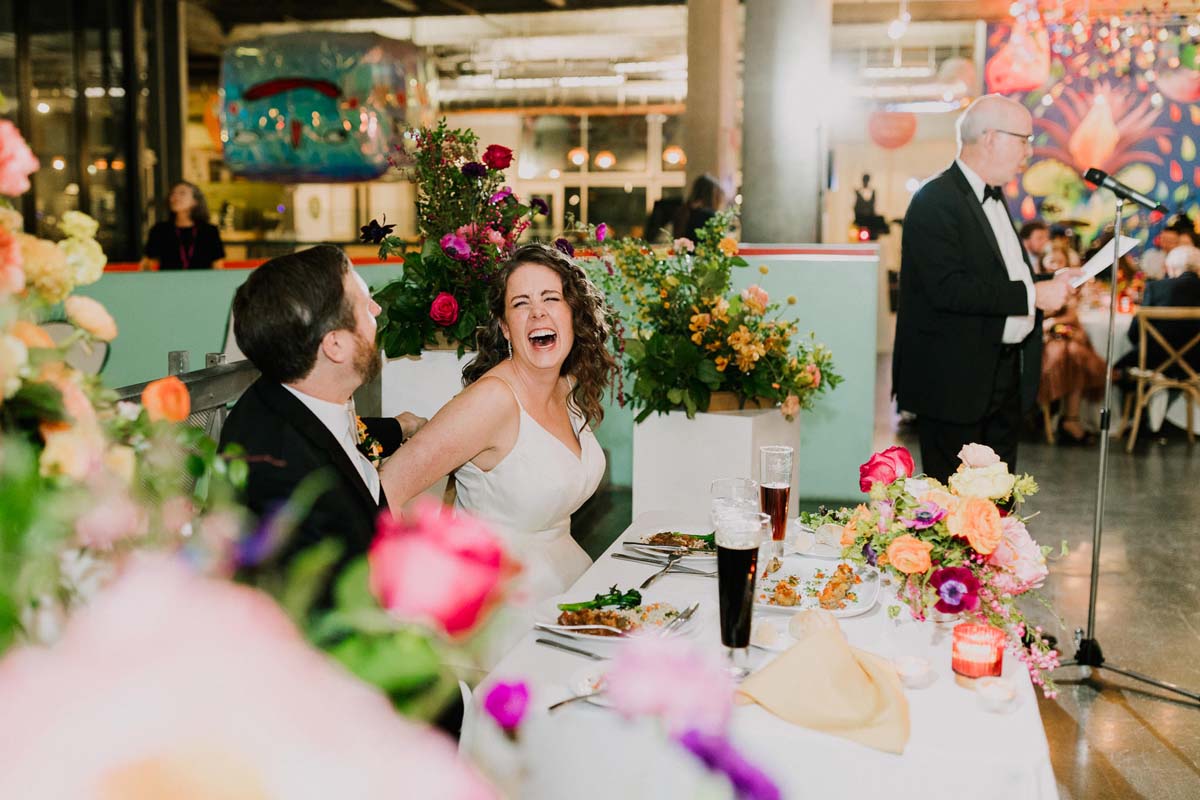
1102 260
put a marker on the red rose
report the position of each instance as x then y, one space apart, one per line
497 156
438 567
444 310
886 467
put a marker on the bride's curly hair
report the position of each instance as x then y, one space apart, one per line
589 363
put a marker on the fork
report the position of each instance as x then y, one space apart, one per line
552 628
680 619
671 560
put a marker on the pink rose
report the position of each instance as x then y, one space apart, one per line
791 406
494 237
1019 562
684 245
814 374
755 298
444 309
886 467
17 161
12 276
977 455
669 678
438 567
497 156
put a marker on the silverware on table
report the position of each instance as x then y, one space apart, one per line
579 651
552 628
676 569
576 699
671 559
680 619
665 549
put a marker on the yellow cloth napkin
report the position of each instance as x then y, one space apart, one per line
823 683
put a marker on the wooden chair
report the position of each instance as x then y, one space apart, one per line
1048 422
1152 378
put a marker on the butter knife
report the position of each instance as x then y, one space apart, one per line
675 569
569 649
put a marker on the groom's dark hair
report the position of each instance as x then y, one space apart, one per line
285 308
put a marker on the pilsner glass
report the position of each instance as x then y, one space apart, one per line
739 534
775 482
732 494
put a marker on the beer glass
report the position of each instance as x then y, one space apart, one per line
739 534
775 487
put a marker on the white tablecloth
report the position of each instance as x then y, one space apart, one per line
956 748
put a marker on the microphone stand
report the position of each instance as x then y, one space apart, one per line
1088 654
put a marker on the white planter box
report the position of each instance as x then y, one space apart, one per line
676 458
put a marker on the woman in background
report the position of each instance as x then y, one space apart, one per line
702 205
187 240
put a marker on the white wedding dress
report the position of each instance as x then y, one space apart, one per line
528 498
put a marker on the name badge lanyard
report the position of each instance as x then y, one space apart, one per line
185 254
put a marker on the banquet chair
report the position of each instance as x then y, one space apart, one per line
1153 378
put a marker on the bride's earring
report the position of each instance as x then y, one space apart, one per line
509 343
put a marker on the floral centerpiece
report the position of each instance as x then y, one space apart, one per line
688 335
469 222
960 548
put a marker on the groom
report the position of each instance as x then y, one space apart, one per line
307 321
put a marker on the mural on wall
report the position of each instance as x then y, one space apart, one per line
1121 93
319 106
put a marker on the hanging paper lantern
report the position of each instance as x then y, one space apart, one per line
1023 63
892 129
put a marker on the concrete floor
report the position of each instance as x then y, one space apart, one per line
1110 737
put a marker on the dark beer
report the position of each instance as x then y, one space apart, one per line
736 571
774 498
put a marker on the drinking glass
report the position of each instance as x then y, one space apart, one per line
738 533
731 495
775 482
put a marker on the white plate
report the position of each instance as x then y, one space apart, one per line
586 680
693 529
806 569
825 542
782 639
547 614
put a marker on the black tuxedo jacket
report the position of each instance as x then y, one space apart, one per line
290 443
955 294
1181 291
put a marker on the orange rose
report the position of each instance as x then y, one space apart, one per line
167 398
909 554
941 497
977 520
850 532
32 335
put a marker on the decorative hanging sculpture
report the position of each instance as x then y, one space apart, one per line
891 129
1023 62
319 106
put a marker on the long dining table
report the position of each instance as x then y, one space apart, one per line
957 748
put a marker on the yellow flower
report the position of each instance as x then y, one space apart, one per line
662 293
764 269
666 305
755 299
45 268
720 310
700 322
722 363
671 280
698 337
713 346
791 299
728 246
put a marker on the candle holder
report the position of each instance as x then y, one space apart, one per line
977 652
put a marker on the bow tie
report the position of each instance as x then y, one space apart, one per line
993 193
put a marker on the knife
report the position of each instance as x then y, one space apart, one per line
666 568
568 648
675 569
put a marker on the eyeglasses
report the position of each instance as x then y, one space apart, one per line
1028 137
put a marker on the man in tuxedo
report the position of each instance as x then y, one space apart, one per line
307 321
1181 287
968 348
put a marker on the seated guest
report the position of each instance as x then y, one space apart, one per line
1152 259
1070 367
1181 287
307 321
186 240
1035 235
705 199
519 437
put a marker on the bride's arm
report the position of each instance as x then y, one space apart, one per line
481 418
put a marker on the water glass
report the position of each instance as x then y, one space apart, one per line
728 495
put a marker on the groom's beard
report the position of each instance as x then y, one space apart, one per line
367 361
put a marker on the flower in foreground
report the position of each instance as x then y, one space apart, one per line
977 520
374 233
444 309
1019 561
88 314
909 554
437 567
167 398
171 685
564 247
79 225
506 703
977 455
456 247
926 515
17 161
497 156
957 589
728 246
755 298
672 680
502 194
719 755
684 245
885 467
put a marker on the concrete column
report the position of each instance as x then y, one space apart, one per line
785 86
710 136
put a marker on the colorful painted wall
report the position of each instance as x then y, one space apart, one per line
1120 93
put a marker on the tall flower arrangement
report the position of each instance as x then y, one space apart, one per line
469 222
688 334
960 548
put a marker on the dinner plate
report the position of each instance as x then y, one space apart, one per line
812 575
586 680
547 614
824 542
693 529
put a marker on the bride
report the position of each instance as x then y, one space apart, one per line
518 437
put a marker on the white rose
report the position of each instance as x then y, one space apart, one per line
992 482
11 219
917 487
79 225
977 455
14 355
85 259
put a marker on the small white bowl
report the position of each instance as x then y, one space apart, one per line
996 694
914 671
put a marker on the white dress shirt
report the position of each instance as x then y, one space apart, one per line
339 419
1016 328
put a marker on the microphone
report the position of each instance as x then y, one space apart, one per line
1106 181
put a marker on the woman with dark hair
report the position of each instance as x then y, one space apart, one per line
519 437
186 240
702 205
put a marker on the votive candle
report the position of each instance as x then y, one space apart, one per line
978 650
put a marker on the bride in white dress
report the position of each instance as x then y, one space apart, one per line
519 437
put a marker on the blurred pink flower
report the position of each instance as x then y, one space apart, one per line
17 161
684 245
109 519
12 276
171 685
814 374
673 680
437 567
755 299
1019 561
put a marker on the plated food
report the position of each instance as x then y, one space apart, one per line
614 613
841 589
698 543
